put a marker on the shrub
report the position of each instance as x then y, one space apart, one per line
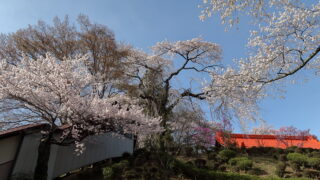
315 154
240 163
280 169
226 154
311 173
107 172
314 162
297 158
213 165
295 167
120 166
244 165
194 173
234 161
115 170
130 174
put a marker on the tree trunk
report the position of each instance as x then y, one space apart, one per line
41 171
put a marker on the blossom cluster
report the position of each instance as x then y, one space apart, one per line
61 92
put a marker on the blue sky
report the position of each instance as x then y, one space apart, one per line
142 23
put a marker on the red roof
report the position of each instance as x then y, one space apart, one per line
251 140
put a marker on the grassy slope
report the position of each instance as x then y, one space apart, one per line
178 169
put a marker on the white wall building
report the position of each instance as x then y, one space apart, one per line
19 151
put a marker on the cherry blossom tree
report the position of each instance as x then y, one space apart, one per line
61 92
64 40
264 129
204 137
155 75
61 89
284 135
286 40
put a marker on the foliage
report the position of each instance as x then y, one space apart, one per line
314 162
64 41
297 158
287 38
281 169
256 171
211 155
234 161
226 154
315 154
195 173
204 137
241 163
311 173
283 157
60 92
213 165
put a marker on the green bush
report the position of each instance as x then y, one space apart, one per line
234 161
240 163
315 154
107 172
116 169
314 163
244 165
281 169
226 154
213 165
297 158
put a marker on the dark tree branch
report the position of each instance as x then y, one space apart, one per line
304 63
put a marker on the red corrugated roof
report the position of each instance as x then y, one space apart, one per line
251 140
20 129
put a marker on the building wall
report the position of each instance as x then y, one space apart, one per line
8 147
27 157
64 159
269 141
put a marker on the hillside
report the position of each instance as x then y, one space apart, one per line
248 164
